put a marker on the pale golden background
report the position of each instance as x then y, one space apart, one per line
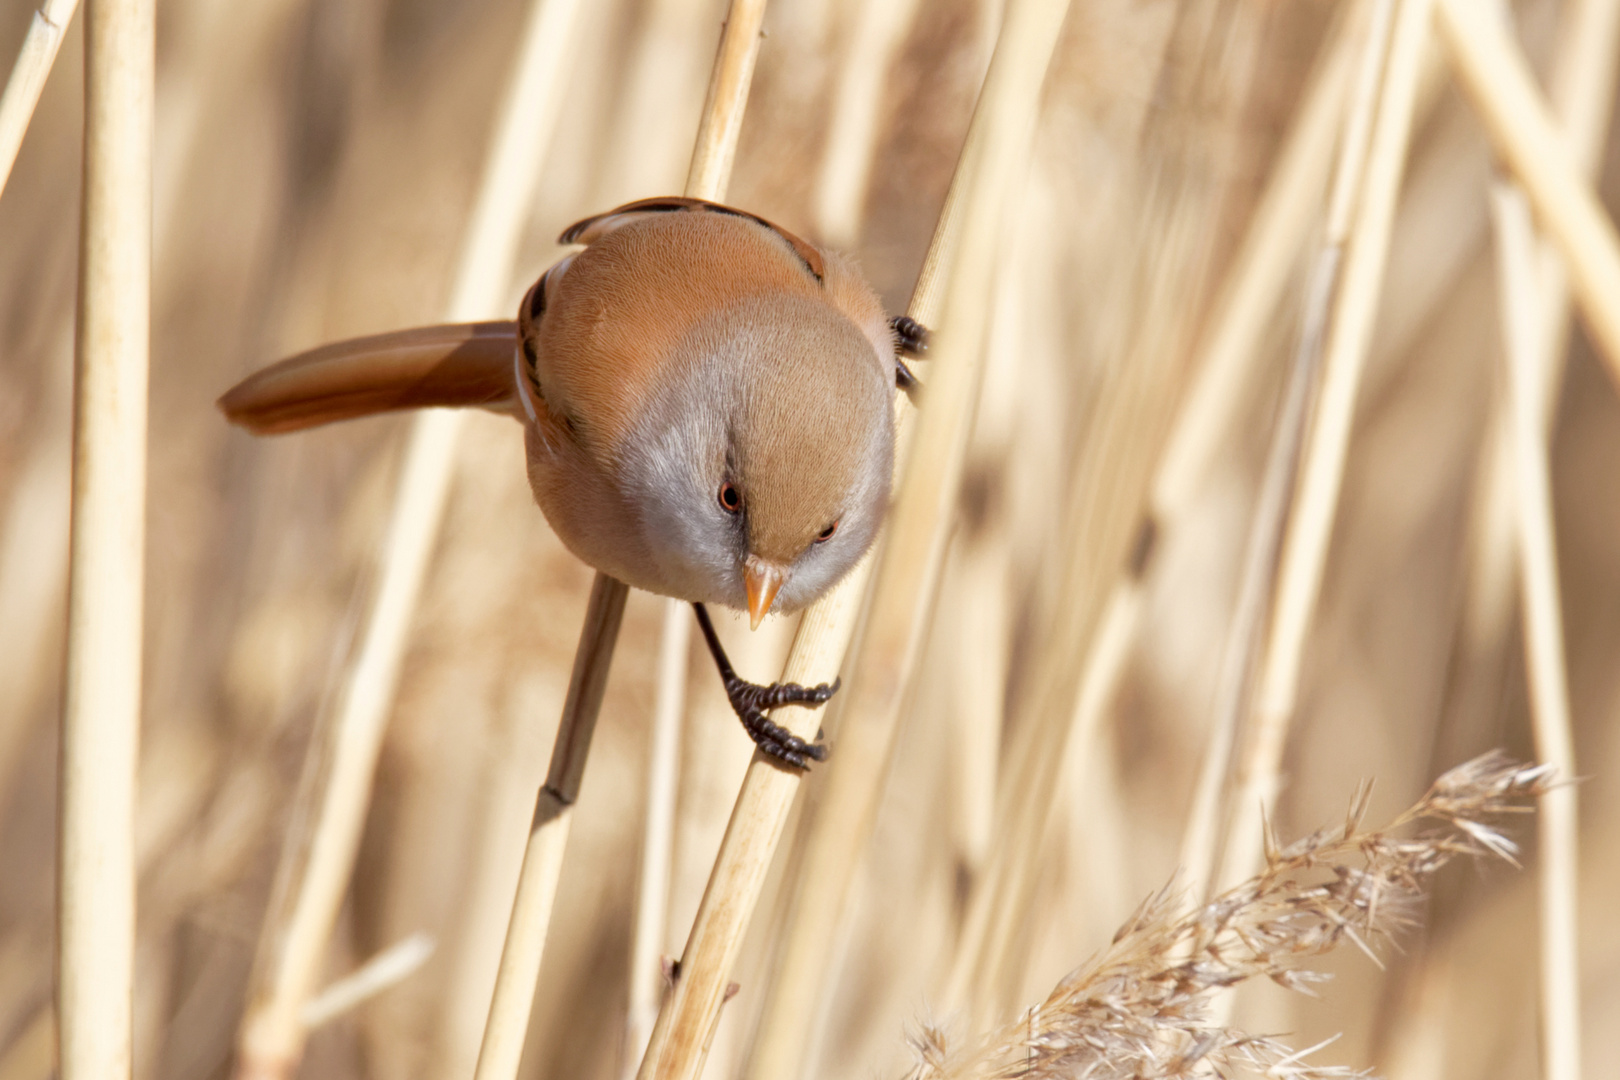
315 163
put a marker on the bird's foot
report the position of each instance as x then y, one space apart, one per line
912 336
750 700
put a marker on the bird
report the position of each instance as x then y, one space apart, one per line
707 404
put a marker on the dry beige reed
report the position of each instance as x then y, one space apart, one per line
315 167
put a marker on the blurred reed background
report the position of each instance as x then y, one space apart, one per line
315 164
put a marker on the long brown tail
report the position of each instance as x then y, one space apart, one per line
461 364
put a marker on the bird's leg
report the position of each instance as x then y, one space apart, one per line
750 700
911 339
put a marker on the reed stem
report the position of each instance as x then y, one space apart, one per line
1493 72
990 168
501 1053
101 711
316 872
1558 853
1315 506
28 75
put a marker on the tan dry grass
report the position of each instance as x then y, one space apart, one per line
315 165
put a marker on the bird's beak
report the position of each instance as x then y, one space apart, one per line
762 579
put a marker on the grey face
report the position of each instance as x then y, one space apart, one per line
775 440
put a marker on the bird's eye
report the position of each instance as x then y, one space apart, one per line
730 498
827 533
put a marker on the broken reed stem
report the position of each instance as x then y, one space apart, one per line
521 956
652 893
294 940
1493 73
101 710
878 31
1258 571
28 75
992 163
1544 636
1310 521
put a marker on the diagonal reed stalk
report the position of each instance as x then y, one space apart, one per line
1221 368
1581 92
315 870
1493 72
1520 298
1310 520
521 956
101 712
28 75
1257 575
954 283
878 30
906 579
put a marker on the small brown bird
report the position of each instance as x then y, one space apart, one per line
707 403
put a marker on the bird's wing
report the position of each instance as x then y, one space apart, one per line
458 364
594 228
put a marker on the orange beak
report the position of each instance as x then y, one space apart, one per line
762 580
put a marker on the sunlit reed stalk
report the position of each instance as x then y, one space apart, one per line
1558 853
1257 573
502 1049
1493 72
101 711
957 267
1581 91
876 32
1223 371
658 839
903 588
1315 507
28 74
1230 349
315 872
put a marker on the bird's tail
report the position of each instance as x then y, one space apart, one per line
461 364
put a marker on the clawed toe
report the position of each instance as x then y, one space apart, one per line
751 700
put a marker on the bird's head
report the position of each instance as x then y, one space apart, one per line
763 467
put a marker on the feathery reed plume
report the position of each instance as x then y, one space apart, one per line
1141 1007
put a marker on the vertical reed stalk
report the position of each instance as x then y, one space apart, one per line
314 875
501 1053
1310 521
502 1048
102 685
1258 572
1494 74
846 165
652 893
1558 852
28 76
1582 95
991 167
